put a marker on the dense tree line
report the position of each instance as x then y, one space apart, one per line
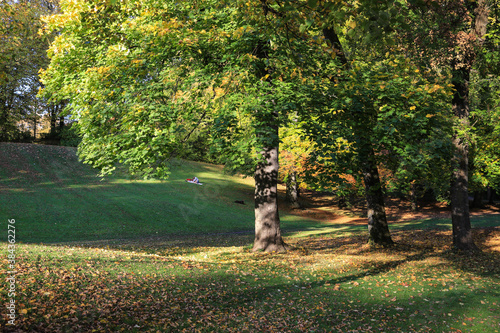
23 53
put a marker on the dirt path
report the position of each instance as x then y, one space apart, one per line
323 208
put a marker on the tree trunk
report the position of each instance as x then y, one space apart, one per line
34 127
377 221
292 190
462 64
53 119
478 200
61 122
460 217
414 197
489 195
267 221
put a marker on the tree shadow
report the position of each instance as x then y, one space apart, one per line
419 245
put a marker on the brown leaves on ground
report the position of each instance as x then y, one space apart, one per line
323 207
204 284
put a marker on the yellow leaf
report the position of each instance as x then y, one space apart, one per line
413 107
219 92
436 87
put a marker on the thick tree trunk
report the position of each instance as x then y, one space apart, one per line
460 217
462 64
292 190
267 222
34 127
53 120
377 221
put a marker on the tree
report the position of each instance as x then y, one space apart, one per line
384 113
23 53
451 39
366 110
337 103
141 78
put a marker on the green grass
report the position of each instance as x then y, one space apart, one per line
147 256
58 199
216 284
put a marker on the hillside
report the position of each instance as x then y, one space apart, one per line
56 198
47 185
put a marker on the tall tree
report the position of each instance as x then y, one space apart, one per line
344 100
141 77
368 105
451 39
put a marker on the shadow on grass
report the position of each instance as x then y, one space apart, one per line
419 245
269 293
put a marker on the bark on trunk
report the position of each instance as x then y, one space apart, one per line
53 120
61 122
377 221
462 236
34 127
267 222
460 217
413 197
292 190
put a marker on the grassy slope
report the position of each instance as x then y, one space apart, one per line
55 198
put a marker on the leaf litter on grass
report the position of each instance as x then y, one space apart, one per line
323 285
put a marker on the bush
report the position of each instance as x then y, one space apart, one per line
70 136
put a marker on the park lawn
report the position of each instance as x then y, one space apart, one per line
99 256
54 197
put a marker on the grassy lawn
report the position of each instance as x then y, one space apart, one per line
146 256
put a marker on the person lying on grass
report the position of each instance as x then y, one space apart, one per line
195 180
